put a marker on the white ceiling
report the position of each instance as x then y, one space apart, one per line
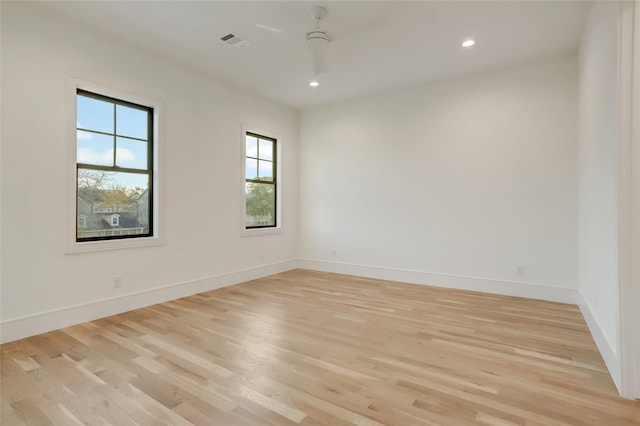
383 45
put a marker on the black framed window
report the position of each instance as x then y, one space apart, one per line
260 181
114 168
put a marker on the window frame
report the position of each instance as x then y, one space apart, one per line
277 182
148 170
74 245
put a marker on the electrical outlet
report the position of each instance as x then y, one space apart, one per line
334 253
520 270
116 282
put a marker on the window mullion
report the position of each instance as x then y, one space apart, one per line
115 122
114 169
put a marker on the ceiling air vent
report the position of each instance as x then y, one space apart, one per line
234 40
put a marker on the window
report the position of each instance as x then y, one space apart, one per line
260 181
114 168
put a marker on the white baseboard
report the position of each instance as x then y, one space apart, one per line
30 325
608 351
460 282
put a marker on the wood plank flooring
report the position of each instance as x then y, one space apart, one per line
310 348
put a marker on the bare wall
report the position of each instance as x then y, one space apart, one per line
468 182
599 180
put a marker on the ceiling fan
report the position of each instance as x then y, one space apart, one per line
317 39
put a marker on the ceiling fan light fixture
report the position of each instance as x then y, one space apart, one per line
314 83
468 43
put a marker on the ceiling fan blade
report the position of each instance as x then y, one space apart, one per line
320 62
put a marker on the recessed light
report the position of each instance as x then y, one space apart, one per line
314 84
468 43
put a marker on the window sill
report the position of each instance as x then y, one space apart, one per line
261 231
93 246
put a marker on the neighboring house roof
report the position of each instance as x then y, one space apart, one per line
126 220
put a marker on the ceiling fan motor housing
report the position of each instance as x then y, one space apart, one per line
317 39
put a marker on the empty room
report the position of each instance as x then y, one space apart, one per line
320 213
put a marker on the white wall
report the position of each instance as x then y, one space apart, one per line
598 165
631 337
42 287
455 183
629 200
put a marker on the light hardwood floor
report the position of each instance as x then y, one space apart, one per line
312 348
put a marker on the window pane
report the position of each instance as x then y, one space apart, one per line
131 153
251 171
252 146
266 150
131 122
112 203
94 148
266 170
94 114
260 201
